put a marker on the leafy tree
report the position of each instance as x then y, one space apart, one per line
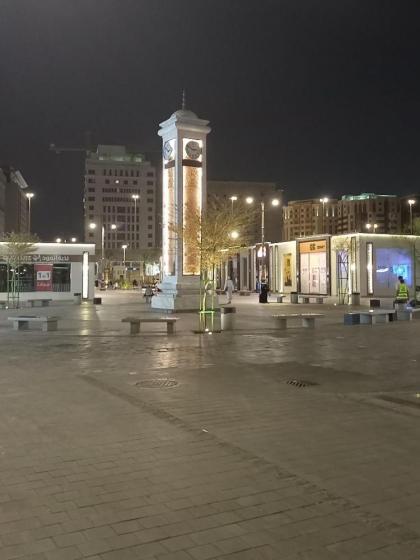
13 250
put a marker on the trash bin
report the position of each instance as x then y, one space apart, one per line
97 300
294 297
228 318
355 298
77 298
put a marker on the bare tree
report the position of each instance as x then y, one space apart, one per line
14 249
212 237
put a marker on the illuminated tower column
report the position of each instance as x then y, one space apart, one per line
184 196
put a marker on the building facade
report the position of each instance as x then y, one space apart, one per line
53 271
352 213
13 201
259 192
309 217
119 202
368 211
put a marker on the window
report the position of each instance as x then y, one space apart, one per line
150 183
106 181
90 234
137 174
150 244
91 198
149 191
149 208
90 180
135 182
150 173
150 217
91 172
149 226
120 209
150 200
91 207
61 277
91 189
149 235
125 182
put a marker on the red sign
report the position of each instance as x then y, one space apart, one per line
43 277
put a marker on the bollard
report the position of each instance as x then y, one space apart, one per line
97 300
228 318
77 298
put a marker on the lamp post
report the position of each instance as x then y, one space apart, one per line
323 201
135 197
372 226
274 202
29 196
124 248
411 202
93 226
233 199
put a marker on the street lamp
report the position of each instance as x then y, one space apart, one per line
93 226
370 226
234 234
274 202
124 248
323 201
135 197
58 240
233 199
73 239
411 202
29 196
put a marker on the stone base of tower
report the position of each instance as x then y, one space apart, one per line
177 297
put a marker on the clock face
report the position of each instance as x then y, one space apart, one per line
193 149
167 150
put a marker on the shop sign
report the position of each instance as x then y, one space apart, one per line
43 277
318 246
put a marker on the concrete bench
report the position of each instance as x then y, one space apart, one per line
3 304
377 317
22 322
41 302
406 313
308 319
244 293
135 323
280 298
307 298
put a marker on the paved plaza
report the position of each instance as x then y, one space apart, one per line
254 444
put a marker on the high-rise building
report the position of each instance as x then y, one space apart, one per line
13 201
234 191
119 202
313 216
379 213
366 212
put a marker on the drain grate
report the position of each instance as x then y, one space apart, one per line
157 383
301 383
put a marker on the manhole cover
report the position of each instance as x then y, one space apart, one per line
301 383
157 383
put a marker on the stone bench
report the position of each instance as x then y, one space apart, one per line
280 298
22 322
41 302
308 319
135 323
244 292
370 317
307 298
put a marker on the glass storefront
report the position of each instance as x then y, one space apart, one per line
56 277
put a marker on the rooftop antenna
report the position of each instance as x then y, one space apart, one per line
184 100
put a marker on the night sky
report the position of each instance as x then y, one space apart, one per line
321 96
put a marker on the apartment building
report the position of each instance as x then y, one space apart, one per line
369 212
119 202
302 218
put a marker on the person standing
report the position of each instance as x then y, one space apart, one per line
402 294
229 289
264 289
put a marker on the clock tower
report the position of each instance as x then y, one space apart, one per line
183 199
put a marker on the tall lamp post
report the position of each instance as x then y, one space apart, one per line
93 226
323 201
274 202
29 196
135 197
124 248
411 202
233 199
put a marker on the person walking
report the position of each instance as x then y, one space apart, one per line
229 287
402 295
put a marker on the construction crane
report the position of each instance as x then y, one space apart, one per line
86 149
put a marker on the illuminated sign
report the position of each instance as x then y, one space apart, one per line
313 246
